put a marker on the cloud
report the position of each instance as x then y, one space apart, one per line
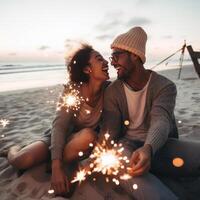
110 21
12 54
43 47
105 37
71 43
167 37
138 21
71 46
106 24
143 2
114 14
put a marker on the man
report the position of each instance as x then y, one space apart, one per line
139 112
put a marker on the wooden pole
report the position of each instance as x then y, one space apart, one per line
181 59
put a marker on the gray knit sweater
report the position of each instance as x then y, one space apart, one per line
63 125
159 120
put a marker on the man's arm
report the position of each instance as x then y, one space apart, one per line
160 124
161 117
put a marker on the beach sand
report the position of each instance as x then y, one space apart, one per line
30 113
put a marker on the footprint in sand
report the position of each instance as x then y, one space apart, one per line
21 187
182 112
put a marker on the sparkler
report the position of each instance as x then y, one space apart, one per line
135 186
72 100
80 176
107 158
4 122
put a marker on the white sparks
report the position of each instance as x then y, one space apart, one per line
91 145
135 186
80 176
107 180
179 121
88 112
125 177
4 122
50 191
107 158
80 153
126 122
71 100
107 136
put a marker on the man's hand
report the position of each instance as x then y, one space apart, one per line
59 181
140 161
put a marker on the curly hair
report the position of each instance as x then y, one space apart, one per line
77 63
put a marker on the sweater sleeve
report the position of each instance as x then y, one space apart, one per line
161 117
111 115
61 129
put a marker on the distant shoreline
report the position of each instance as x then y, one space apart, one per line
170 73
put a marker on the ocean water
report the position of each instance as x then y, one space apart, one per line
23 76
33 75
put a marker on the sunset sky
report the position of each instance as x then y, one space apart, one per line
44 30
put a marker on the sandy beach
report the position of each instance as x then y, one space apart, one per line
30 112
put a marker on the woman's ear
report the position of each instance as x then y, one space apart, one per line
87 70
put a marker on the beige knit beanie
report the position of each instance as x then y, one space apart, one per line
133 41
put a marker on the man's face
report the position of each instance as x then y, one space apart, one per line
122 62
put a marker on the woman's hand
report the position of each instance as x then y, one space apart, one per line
59 181
140 161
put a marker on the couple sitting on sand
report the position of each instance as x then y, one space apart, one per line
137 110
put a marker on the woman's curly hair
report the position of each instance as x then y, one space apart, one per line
78 61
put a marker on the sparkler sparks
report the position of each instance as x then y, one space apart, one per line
125 177
135 186
4 122
50 191
91 145
107 158
126 122
80 153
88 112
72 100
80 176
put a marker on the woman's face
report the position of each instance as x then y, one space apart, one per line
98 68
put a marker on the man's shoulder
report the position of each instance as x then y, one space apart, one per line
114 88
114 84
160 80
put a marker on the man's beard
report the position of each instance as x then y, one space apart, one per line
125 75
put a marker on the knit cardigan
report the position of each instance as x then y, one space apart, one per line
159 120
63 125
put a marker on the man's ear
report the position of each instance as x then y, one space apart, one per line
87 70
135 58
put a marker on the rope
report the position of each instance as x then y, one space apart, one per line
166 58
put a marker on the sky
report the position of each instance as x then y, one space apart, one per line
45 30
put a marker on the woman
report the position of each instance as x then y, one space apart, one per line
74 127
